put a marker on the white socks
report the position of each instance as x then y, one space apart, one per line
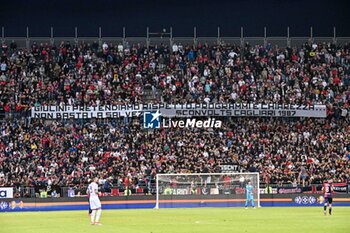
98 214
93 213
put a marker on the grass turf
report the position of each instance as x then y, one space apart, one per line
216 220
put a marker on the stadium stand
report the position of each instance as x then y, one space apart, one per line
53 154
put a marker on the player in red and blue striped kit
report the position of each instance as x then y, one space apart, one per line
327 190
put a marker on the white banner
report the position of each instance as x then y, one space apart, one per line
230 168
6 192
179 110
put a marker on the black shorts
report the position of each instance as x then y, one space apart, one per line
328 200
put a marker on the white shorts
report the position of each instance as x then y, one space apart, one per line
95 203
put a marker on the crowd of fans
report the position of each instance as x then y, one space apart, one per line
86 74
44 153
284 151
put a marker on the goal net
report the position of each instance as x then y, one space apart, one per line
205 190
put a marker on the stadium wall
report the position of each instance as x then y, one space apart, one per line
144 202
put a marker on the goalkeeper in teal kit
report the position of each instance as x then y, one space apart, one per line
249 195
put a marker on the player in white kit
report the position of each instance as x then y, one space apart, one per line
95 203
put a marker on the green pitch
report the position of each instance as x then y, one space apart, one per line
213 220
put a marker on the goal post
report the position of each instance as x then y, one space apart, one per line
205 190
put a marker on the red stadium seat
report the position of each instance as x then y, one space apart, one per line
139 190
115 192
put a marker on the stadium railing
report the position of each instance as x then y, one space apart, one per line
280 41
167 37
